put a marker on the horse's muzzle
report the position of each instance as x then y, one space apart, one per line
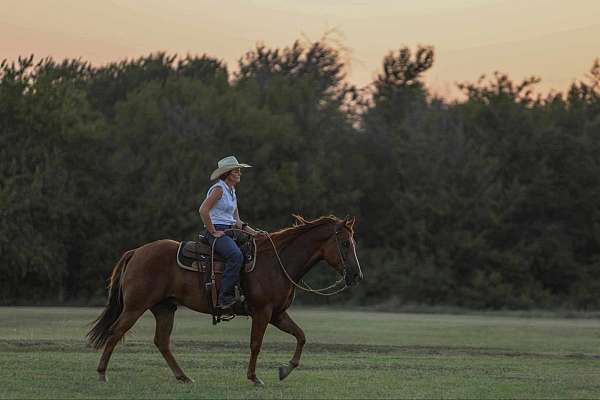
353 278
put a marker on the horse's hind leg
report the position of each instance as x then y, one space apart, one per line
284 322
165 314
122 325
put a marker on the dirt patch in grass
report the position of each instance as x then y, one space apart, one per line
136 346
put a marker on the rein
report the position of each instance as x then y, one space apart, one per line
306 287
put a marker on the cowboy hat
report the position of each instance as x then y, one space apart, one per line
227 164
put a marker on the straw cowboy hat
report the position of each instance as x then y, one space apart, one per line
227 164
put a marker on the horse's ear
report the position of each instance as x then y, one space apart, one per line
298 220
349 222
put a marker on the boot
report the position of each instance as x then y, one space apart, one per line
226 300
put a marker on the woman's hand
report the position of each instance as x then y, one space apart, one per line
255 233
260 234
218 234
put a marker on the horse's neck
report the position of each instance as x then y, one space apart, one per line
302 253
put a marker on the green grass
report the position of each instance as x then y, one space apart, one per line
349 354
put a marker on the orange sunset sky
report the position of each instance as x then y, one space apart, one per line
556 40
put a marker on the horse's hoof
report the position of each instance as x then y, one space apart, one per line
284 371
102 378
258 382
184 379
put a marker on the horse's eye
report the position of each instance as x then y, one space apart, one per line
346 244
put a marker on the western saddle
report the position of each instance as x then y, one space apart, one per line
199 256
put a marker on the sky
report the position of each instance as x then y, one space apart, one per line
556 40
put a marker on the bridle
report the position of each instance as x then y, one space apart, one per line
306 287
341 256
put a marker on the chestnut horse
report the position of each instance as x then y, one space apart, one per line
148 278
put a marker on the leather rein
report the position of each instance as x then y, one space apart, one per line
306 287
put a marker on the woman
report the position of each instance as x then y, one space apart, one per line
219 212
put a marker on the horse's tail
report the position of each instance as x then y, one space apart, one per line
98 335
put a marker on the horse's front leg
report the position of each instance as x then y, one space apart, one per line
284 322
260 320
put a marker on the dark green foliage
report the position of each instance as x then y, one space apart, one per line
488 202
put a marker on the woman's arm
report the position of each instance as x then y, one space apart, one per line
206 206
238 221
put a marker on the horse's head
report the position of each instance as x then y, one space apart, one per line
340 251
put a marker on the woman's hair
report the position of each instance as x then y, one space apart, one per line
225 175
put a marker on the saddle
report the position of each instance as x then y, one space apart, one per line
197 256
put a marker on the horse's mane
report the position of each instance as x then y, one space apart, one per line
285 236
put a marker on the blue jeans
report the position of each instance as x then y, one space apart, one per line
226 247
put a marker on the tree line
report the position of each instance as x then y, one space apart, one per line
490 201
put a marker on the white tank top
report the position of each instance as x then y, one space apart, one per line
223 211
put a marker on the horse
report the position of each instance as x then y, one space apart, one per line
148 278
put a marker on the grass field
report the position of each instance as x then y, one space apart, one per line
349 354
